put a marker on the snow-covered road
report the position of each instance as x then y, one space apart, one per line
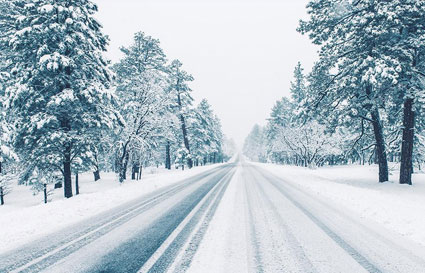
237 217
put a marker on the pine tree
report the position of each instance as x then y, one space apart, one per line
404 26
373 45
254 145
180 89
350 35
141 88
61 95
205 134
298 88
282 115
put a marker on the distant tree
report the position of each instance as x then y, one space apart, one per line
255 145
229 148
282 115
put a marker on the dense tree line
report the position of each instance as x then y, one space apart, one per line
65 109
364 98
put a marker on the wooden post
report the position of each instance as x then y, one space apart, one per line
45 193
1 196
77 188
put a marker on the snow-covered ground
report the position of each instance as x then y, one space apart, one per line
399 208
28 218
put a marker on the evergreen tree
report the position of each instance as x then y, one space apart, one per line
60 95
254 146
181 91
298 86
350 35
282 115
141 88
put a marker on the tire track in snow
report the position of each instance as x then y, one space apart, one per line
253 232
142 251
362 260
192 245
294 245
34 259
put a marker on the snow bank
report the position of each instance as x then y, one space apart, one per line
25 217
399 208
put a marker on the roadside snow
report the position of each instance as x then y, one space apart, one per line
25 217
399 208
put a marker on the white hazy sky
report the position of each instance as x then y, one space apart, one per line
242 53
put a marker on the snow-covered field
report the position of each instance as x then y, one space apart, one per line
28 218
399 208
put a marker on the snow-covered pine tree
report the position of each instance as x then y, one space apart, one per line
373 45
180 90
205 134
141 87
404 26
6 25
229 148
298 85
7 156
199 124
218 139
61 95
254 144
352 36
282 115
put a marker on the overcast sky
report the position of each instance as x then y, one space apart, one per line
242 53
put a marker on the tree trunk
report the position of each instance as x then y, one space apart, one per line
379 138
77 187
123 162
167 156
123 167
183 125
134 171
186 140
380 145
96 175
406 162
67 171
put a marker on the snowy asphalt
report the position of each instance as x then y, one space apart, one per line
272 225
